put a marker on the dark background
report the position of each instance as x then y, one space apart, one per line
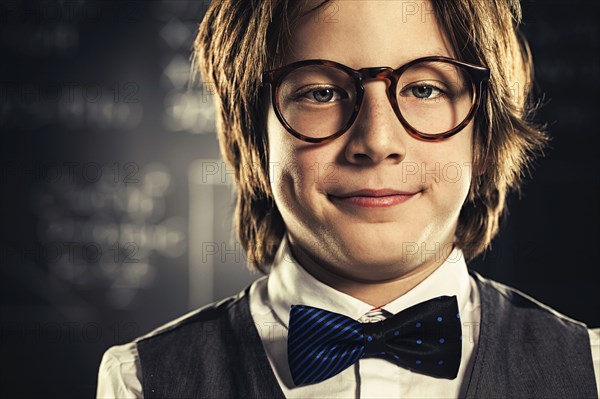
114 201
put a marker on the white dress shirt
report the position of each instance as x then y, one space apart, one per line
288 283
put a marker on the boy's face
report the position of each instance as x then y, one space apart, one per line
352 237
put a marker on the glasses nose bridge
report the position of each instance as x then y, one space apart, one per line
375 73
385 74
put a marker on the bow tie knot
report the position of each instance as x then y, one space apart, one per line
425 338
374 338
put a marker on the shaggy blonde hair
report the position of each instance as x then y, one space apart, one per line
238 39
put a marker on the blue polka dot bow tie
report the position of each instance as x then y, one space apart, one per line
425 338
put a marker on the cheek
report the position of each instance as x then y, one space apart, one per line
289 166
299 174
451 171
280 153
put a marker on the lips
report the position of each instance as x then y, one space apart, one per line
368 192
372 198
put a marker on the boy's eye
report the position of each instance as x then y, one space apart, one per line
423 91
322 95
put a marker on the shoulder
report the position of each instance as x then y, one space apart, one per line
595 344
204 329
119 375
511 302
526 346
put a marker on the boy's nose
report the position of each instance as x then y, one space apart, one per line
377 135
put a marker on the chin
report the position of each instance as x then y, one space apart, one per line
380 236
381 246
376 265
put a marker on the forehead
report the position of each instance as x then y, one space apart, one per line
366 33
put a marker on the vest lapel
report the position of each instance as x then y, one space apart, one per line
485 329
255 372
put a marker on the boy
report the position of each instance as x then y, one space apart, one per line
342 193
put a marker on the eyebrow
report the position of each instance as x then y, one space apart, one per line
435 52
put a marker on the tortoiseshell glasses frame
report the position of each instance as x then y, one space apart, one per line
479 76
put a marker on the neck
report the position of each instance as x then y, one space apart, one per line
375 293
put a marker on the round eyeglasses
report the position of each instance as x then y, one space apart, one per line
433 97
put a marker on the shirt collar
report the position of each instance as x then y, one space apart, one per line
290 284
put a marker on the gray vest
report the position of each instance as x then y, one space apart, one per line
525 350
